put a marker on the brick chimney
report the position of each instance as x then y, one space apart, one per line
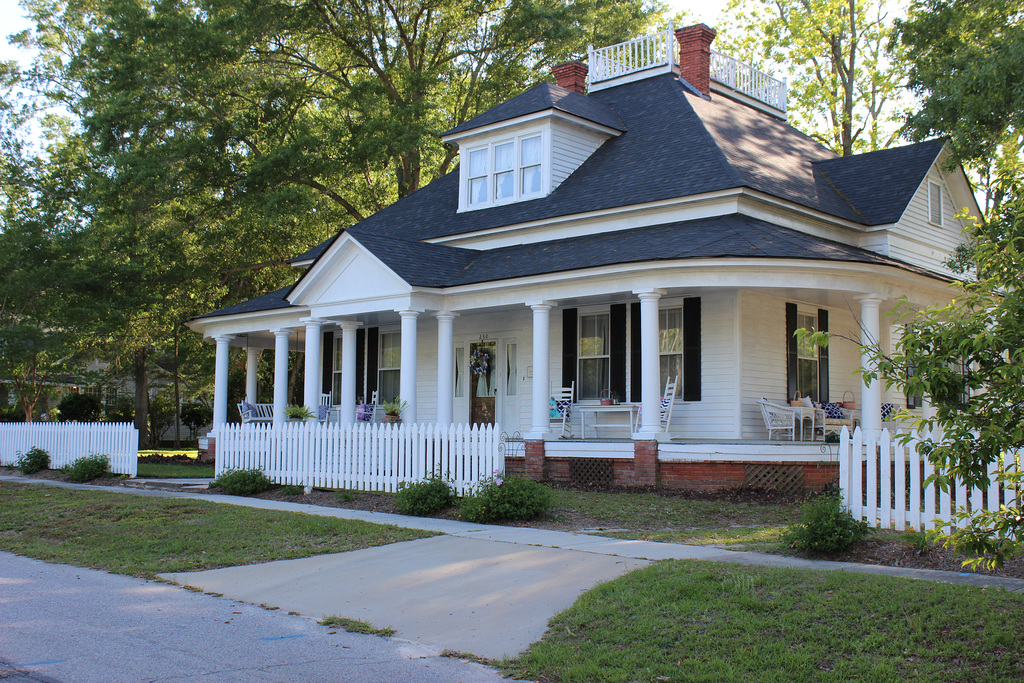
695 55
571 76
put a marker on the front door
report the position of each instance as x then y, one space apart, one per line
483 359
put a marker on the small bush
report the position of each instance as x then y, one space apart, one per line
292 490
345 496
506 497
36 460
424 497
242 482
825 527
76 407
88 467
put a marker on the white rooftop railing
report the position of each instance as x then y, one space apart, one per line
744 78
654 51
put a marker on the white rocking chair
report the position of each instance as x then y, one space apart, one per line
668 401
562 410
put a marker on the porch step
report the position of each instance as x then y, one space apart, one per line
169 484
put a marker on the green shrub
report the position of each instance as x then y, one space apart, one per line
242 482
506 497
88 467
292 490
424 497
75 407
825 527
36 460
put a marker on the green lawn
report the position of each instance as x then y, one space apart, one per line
143 536
698 621
159 470
672 519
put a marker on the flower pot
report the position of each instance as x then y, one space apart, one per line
392 419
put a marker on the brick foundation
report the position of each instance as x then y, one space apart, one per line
644 469
210 453
534 461
645 464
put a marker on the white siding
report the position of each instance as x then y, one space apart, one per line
570 147
916 240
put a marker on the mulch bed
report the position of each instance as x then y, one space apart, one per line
878 551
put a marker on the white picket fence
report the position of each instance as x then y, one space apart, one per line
68 441
882 481
367 457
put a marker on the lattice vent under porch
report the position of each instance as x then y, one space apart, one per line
590 471
783 478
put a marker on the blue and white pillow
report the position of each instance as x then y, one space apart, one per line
887 410
833 411
246 406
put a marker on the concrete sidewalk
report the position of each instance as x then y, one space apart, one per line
484 589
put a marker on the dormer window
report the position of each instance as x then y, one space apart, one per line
506 170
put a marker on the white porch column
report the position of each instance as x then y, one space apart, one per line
445 366
280 373
220 381
541 415
313 384
348 371
650 367
407 377
252 357
870 394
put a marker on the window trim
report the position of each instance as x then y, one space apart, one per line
466 180
678 354
381 368
607 356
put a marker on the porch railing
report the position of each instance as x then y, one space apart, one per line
883 481
68 441
746 79
367 457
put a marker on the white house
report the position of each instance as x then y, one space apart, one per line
664 221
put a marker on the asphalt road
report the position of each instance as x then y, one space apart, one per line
63 623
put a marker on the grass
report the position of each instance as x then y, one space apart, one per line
142 536
170 470
699 621
749 525
356 626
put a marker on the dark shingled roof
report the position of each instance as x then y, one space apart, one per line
734 235
265 302
880 184
542 97
674 144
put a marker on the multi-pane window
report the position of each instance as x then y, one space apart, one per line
670 346
390 368
807 357
594 358
504 171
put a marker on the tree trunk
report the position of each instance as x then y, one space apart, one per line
141 397
177 394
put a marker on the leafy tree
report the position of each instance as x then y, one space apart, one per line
76 407
845 79
965 58
967 357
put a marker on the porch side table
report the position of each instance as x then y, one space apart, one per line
595 410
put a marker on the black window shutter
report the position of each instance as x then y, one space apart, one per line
569 346
691 349
617 359
822 358
634 351
791 350
372 360
327 354
360 363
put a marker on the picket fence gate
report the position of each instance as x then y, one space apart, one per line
883 481
68 441
366 457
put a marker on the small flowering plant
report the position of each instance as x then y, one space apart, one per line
505 496
480 362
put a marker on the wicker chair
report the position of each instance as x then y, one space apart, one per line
778 418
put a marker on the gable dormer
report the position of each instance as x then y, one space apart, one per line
524 148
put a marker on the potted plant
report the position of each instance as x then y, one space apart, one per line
296 413
393 410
